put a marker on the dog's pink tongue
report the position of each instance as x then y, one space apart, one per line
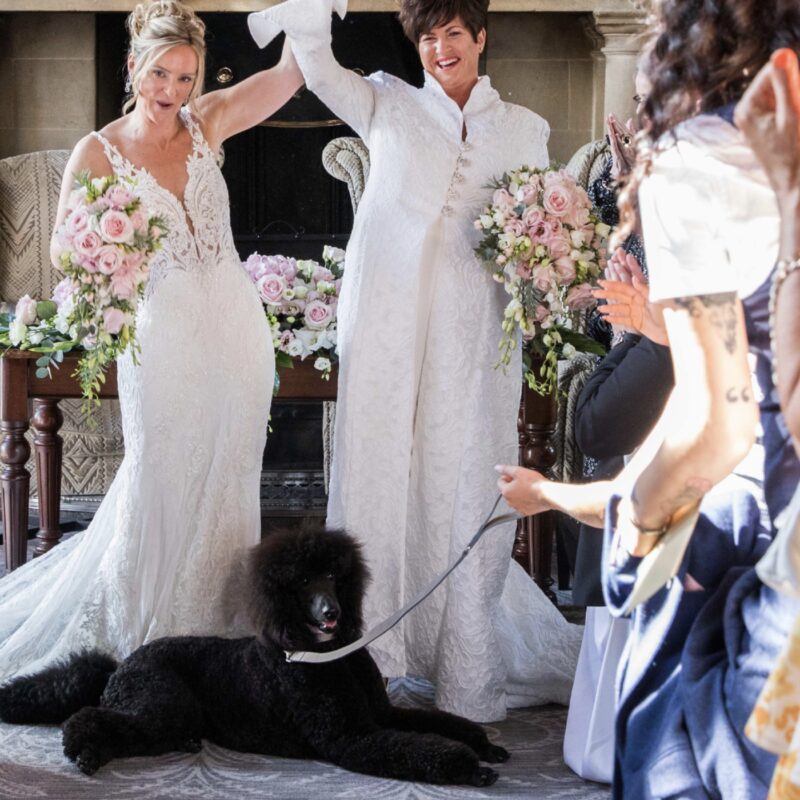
329 626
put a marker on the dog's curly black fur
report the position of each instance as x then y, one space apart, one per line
305 592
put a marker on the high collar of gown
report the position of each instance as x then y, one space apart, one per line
481 98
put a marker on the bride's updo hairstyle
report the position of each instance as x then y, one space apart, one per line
155 27
419 17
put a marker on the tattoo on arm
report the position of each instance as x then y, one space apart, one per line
722 313
743 395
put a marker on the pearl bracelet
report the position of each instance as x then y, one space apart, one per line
784 268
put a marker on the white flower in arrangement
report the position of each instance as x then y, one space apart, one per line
17 331
602 230
296 348
35 337
568 351
334 254
323 364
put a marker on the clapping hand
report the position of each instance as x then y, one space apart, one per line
627 297
623 149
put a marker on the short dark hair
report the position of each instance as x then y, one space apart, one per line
419 17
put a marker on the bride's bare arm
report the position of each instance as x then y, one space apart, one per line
227 112
86 155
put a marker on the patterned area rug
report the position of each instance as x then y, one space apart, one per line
32 765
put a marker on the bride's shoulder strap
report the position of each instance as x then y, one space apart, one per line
118 162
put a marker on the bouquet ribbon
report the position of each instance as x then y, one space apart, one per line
296 656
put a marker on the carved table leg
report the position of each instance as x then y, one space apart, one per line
533 547
46 422
14 453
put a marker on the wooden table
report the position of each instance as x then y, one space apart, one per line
18 385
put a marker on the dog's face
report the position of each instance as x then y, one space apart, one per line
306 589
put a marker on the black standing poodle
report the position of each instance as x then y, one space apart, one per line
305 592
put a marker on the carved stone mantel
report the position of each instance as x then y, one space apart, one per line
585 6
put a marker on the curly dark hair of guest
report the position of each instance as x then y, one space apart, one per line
700 55
419 17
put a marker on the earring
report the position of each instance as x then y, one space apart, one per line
128 85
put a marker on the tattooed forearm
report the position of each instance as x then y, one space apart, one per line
693 490
722 314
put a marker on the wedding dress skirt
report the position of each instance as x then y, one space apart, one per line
184 505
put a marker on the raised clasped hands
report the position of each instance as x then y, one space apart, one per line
521 489
627 296
621 139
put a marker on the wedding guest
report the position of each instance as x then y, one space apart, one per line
703 645
185 502
769 116
421 409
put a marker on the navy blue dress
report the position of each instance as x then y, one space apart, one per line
697 660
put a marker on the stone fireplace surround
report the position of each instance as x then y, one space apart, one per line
61 75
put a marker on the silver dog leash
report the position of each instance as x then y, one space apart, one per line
296 656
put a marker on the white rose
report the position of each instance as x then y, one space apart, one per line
35 337
568 351
322 364
25 311
17 331
295 347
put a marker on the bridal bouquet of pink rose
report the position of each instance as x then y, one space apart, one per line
542 241
300 299
104 248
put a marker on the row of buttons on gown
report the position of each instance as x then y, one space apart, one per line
458 177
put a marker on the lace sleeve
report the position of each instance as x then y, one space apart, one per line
307 25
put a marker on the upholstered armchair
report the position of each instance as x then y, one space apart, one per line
29 189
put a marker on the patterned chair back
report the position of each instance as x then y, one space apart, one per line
29 190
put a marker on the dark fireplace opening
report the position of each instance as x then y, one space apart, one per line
282 199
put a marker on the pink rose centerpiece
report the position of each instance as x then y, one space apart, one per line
104 247
542 241
300 300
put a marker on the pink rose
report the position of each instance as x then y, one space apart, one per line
271 288
123 284
533 217
322 274
113 320
515 226
523 270
503 200
557 200
543 278
139 221
132 261
88 243
116 226
117 196
286 338
565 270
78 221
580 297
109 259
559 246
529 194
541 313
318 315
25 312
89 264
63 291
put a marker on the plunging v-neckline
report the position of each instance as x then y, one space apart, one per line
179 201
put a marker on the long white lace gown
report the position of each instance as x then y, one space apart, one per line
423 415
184 505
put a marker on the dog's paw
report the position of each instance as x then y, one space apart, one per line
483 776
88 762
494 754
191 746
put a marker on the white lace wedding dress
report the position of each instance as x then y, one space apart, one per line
184 505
